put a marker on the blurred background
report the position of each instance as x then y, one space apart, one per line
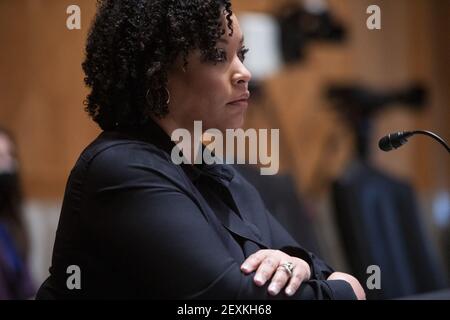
330 84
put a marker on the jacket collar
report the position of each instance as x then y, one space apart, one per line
155 135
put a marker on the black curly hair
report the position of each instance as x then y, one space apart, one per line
131 46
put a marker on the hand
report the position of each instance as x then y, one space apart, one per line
269 265
356 286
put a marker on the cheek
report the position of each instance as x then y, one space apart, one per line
216 90
211 96
204 92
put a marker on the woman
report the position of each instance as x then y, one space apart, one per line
135 224
15 278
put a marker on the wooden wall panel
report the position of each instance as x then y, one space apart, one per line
42 90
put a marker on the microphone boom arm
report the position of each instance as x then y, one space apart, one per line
434 136
396 140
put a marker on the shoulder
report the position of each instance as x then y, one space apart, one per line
115 158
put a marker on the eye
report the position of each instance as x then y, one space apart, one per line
220 56
242 53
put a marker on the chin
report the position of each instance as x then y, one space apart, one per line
237 123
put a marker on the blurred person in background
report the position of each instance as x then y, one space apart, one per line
15 279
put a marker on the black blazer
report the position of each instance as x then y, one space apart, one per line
139 226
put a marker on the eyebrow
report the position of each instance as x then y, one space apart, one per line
226 40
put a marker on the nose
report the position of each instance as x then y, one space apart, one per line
242 75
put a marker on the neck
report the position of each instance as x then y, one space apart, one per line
169 125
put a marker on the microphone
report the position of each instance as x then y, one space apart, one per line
397 139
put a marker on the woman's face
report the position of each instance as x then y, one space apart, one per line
7 160
206 91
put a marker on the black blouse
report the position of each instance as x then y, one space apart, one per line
139 226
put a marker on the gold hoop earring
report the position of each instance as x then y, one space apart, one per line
146 98
168 96
167 100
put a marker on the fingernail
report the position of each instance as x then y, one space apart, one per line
259 280
245 267
273 289
289 292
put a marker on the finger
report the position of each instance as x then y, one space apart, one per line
299 274
279 281
253 261
265 270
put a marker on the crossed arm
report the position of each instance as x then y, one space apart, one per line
147 223
268 267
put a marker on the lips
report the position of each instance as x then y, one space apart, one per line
243 99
